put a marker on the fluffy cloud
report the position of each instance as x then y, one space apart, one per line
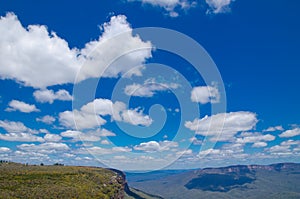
101 107
16 127
35 57
116 44
279 149
17 131
45 148
45 95
4 150
290 133
195 141
45 131
47 119
187 152
52 138
233 151
89 116
284 148
254 138
218 6
106 133
290 143
25 156
259 144
210 152
80 120
105 142
274 128
16 105
205 94
169 5
80 136
223 126
234 147
136 117
103 151
148 89
21 137
90 136
153 146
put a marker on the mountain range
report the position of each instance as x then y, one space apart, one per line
241 181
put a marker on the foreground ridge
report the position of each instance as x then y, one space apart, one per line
58 181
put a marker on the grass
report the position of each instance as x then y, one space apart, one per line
21 181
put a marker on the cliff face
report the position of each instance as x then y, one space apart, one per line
120 179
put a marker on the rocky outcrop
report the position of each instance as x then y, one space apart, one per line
121 179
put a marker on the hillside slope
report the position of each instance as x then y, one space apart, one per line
28 181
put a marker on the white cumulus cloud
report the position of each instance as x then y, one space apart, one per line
116 52
35 57
290 133
259 144
103 151
17 131
89 116
285 148
21 137
219 6
290 142
91 136
47 119
45 148
49 96
136 117
106 133
4 150
52 138
205 94
279 149
274 128
16 105
105 142
223 126
169 6
154 146
149 88
80 120
16 127
248 137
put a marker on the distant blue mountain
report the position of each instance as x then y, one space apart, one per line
241 181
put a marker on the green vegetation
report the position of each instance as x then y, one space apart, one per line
24 181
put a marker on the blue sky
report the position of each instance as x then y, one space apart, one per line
81 84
